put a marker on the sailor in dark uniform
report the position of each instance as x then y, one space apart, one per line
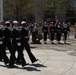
2 48
45 33
65 32
16 45
1 36
7 36
24 39
58 32
52 32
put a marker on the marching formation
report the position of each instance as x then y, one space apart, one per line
14 37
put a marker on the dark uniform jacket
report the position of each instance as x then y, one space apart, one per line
1 35
45 29
16 36
58 29
24 34
6 33
52 29
65 29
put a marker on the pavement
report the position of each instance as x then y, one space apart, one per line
57 59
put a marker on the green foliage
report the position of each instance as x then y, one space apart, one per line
17 8
20 8
58 5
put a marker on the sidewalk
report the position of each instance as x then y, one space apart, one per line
54 60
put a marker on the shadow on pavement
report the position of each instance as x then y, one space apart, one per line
33 47
61 50
24 68
67 44
31 69
64 44
60 44
38 65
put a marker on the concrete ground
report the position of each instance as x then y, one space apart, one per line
58 59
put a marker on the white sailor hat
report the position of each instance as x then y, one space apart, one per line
15 22
23 22
35 23
45 22
7 22
51 22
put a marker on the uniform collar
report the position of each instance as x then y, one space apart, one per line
16 28
7 27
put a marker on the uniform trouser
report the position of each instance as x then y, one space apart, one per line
52 36
75 34
68 34
0 56
19 49
7 44
3 54
58 35
45 36
30 54
34 36
65 36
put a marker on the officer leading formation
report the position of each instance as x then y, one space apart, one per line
14 37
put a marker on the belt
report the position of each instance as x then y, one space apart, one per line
45 30
17 38
26 36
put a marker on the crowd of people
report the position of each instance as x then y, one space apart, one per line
56 31
14 37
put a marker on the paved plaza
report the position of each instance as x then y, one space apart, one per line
57 59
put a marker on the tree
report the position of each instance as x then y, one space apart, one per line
58 5
17 8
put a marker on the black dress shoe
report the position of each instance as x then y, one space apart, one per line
18 63
11 66
59 43
25 64
35 60
65 43
6 62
